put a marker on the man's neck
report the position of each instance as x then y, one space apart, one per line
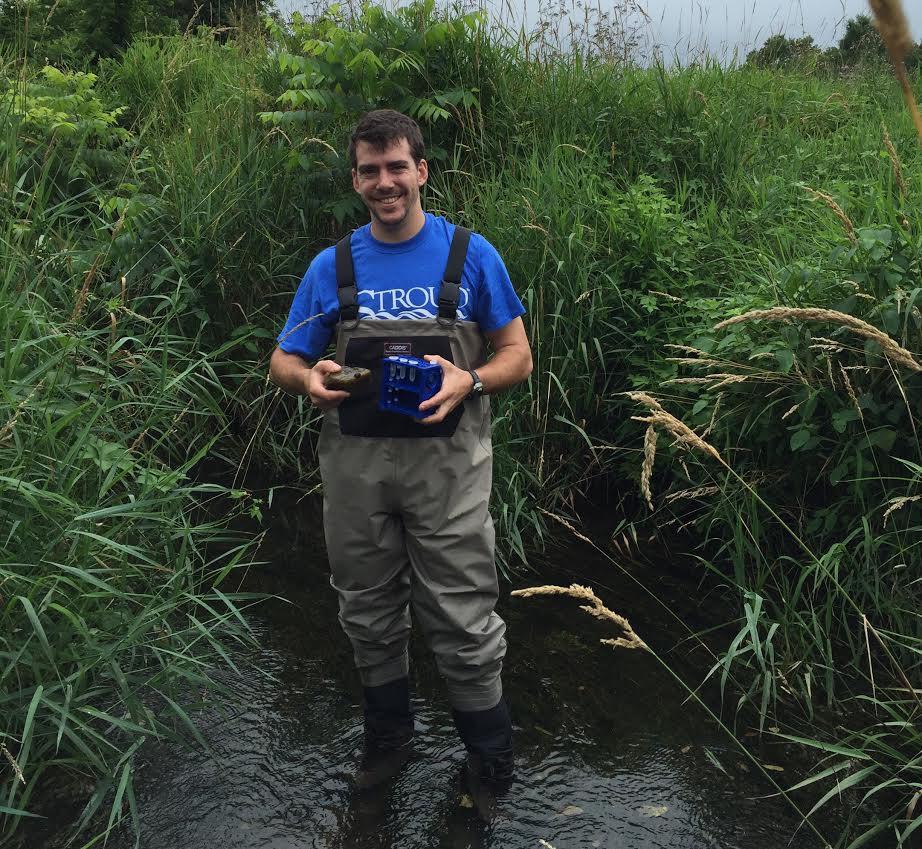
406 231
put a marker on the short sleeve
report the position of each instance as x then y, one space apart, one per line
314 310
497 302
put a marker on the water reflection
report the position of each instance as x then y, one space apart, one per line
609 753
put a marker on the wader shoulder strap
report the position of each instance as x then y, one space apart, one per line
345 280
450 293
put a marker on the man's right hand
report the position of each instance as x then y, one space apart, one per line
321 397
293 374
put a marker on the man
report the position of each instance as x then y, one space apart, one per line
406 501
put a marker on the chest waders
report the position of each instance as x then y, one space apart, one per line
406 514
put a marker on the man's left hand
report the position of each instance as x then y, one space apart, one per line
456 386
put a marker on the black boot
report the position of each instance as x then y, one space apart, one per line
487 735
388 733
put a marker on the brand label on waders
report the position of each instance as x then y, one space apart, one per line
398 349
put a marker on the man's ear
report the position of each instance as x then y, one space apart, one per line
355 180
423 169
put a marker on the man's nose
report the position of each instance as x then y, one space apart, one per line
385 179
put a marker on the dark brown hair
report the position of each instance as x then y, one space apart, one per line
384 128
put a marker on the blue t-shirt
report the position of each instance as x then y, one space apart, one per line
399 280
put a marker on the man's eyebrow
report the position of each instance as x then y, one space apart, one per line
393 163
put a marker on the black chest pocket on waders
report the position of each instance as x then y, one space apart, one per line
359 414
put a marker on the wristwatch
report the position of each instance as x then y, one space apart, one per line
477 388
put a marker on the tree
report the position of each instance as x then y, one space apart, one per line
216 13
861 41
78 31
779 51
106 26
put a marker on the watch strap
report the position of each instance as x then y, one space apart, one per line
477 386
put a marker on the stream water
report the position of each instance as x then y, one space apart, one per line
611 751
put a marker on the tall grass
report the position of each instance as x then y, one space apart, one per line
113 569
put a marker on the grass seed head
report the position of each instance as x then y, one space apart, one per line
893 27
593 607
660 418
837 211
895 163
646 472
898 504
889 348
696 492
16 769
851 392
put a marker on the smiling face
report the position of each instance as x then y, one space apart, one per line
389 182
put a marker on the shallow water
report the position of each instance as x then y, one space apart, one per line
610 751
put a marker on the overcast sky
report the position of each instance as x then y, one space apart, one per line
686 27
723 25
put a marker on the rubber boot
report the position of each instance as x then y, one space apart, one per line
388 733
490 770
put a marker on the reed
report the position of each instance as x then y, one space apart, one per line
111 570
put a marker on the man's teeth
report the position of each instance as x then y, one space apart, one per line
389 201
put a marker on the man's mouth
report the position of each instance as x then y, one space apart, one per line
389 201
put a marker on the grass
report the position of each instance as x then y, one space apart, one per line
113 577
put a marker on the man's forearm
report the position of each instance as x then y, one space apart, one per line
511 362
290 372
505 369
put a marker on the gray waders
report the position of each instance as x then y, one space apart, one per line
406 506
407 524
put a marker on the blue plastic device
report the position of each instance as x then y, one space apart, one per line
405 383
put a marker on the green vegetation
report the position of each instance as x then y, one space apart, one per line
81 31
158 217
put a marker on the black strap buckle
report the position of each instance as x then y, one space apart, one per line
449 297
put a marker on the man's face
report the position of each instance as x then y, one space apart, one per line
389 182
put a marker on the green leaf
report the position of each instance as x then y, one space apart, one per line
23 757
869 236
842 418
785 359
15 812
841 786
799 439
37 628
882 438
828 747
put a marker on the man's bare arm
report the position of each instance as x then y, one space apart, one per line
293 374
510 364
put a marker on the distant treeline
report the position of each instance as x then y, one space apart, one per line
78 32
860 44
